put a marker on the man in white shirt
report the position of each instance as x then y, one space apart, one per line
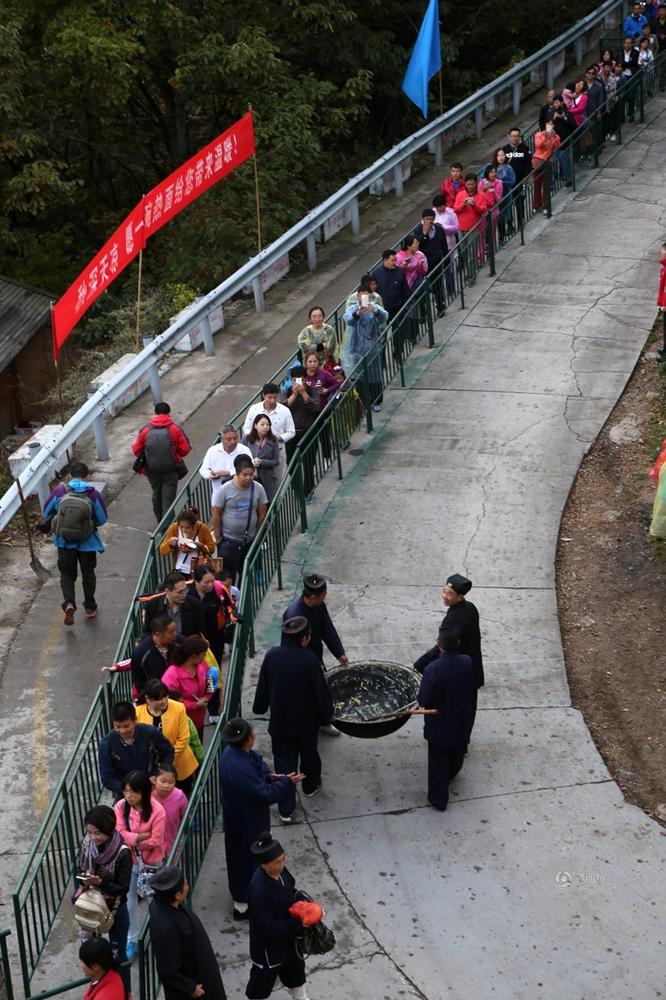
282 422
218 463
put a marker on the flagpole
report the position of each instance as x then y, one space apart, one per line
57 369
441 95
256 190
138 304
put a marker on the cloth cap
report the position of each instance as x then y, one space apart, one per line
236 732
314 584
459 583
167 879
266 849
295 626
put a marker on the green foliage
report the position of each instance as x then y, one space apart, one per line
99 100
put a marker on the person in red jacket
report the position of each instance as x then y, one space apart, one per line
160 448
452 185
661 299
98 964
470 206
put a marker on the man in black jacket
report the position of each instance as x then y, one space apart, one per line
186 963
449 687
519 155
152 656
292 684
434 247
630 68
391 283
177 605
131 746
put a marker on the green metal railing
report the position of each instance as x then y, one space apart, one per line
46 877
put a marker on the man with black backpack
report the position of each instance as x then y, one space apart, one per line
73 513
160 448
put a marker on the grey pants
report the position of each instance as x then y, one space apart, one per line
164 486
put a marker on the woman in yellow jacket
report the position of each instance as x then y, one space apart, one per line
188 539
159 710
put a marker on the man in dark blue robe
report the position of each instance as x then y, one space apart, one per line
273 930
249 787
448 686
312 605
292 684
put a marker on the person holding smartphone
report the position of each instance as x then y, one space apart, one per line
105 863
365 319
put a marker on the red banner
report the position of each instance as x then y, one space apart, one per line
204 169
180 189
113 258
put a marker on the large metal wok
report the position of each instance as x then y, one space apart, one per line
369 694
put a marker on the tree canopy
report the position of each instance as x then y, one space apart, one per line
100 99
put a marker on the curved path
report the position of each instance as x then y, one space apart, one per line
539 880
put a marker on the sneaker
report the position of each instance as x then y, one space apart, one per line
310 795
69 614
376 408
309 499
131 950
91 613
613 138
241 911
286 819
213 719
545 211
330 730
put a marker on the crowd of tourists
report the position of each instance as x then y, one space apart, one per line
129 862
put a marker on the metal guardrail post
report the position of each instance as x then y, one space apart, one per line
550 72
572 152
437 145
155 384
299 485
490 243
461 277
207 337
355 217
578 51
516 91
7 985
548 189
365 396
398 180
101 442
311 244
641 97
258 290
478 122
430 320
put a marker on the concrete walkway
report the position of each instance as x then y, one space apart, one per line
539 881
468 471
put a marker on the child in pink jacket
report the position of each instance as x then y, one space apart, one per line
140 821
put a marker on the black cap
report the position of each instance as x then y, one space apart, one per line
459 583
236 731
295 626
266 849
314 584
167 879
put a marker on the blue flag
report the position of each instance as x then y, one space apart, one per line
426 59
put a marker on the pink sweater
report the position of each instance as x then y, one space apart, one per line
174 807
151 849
191 688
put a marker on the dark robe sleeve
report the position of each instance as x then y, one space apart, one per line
330 635
262 697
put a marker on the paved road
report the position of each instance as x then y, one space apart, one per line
474 466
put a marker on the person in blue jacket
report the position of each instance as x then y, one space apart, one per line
79 543
249 787
449 687
293 685
273 930
365 319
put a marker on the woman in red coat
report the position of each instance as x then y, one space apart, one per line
470 206
98 964
661 298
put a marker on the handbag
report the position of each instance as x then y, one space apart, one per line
92 913
144 889
318 939
234 549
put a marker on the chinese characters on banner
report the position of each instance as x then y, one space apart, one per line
208 166
178 190
113 258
